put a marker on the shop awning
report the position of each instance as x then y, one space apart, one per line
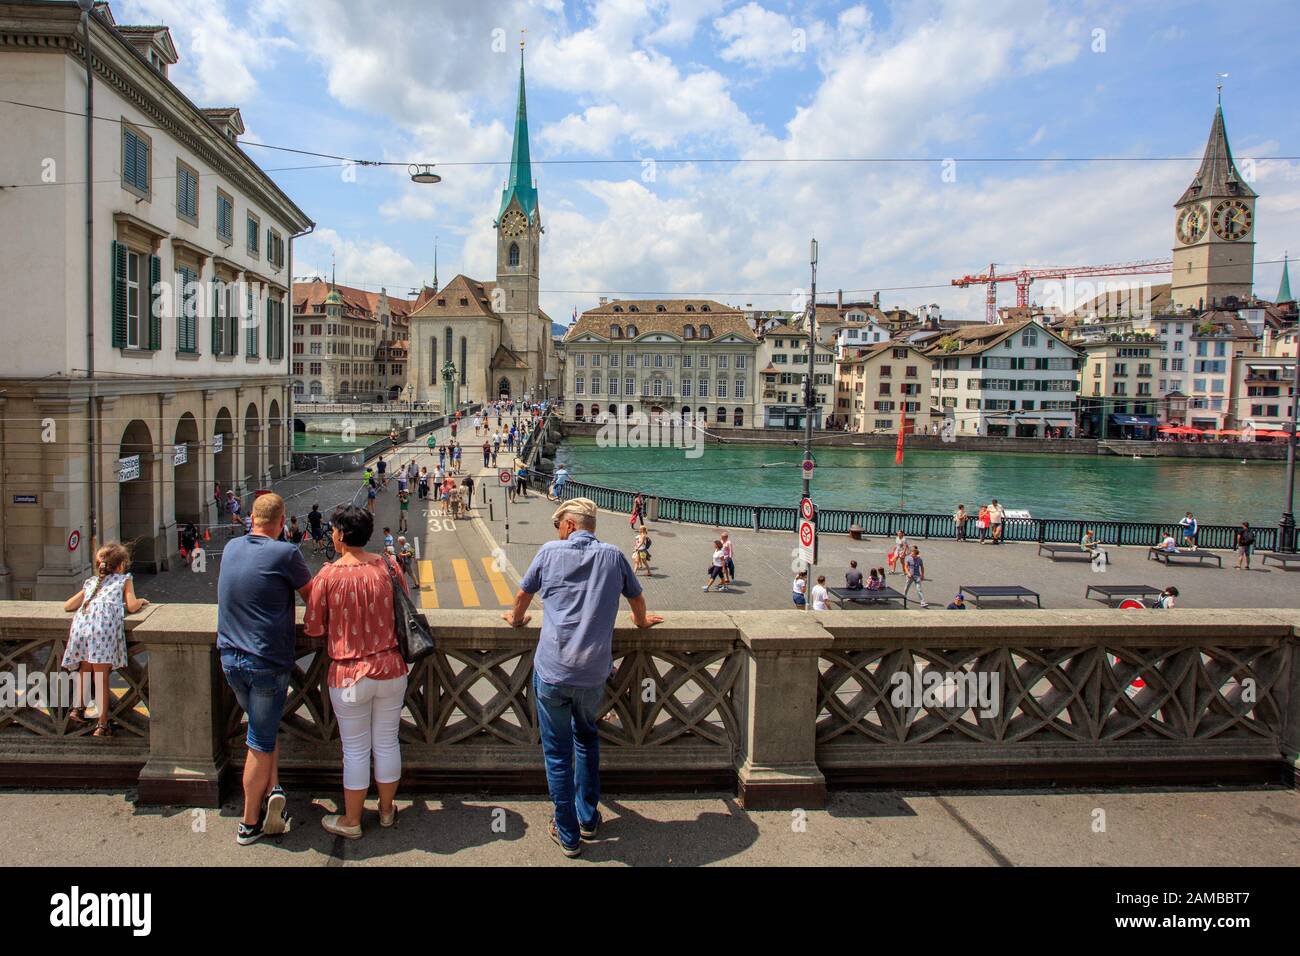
1145 421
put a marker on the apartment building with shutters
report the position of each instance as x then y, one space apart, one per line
144 357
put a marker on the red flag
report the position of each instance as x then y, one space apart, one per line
898 449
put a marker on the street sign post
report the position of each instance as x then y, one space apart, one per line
807 527
504 476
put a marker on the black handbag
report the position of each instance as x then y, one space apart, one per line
413 638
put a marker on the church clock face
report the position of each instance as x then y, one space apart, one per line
513 224
1232 220
1191 225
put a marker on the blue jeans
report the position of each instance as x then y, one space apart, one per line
566 718
261 689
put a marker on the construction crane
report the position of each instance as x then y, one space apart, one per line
1024 277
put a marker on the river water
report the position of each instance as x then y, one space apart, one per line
1104 487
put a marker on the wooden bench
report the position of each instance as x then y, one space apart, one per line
1055 551
1110 592
1282 558
980 591
1198 555
865 598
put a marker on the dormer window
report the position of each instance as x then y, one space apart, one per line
634 308
631 331
706 332
688 332
615 332
704 308
464 301
661 307
618 308
690 308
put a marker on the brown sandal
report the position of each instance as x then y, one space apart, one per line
103 730
77 716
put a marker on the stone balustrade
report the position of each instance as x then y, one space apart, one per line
772 703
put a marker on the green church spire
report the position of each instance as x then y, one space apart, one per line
520 183
1284 290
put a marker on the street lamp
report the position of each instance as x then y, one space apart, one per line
808 404
423 173
1287 531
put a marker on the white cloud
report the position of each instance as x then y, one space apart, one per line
762 39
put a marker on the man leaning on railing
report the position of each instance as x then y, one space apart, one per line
580 580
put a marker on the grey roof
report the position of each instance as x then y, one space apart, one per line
1218 175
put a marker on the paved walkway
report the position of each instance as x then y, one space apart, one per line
1202 827
681 554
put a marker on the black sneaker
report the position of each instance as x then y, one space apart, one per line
569 851
248 833
588 831
275 820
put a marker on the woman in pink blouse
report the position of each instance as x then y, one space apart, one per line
351 605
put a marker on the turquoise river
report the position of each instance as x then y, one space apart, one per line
1103 487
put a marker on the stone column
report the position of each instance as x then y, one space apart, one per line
186 752
6 578
776 764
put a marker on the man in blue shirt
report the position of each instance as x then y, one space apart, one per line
580 581
255 637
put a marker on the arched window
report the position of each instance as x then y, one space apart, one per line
690 308
433 360
704 308
618 308
464 359
595 410
631 331
661 307
315 389
514 254
706 332
688 332
722 415
615 332
738 419
634 308
450 353
344 388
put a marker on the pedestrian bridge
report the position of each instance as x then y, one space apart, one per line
777 704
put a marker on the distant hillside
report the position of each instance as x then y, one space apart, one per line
558 329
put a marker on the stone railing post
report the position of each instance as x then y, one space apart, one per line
186 753
1291 712
776 764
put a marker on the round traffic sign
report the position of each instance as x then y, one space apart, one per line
808 465
505 477
806 509
74 540
806 534
1128 604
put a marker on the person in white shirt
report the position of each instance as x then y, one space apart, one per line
900 553
717 569
800 588
819 594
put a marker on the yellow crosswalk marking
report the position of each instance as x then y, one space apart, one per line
468 596
498 582
428 590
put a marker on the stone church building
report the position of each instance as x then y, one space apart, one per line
494 333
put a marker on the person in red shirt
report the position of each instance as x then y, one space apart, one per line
351 605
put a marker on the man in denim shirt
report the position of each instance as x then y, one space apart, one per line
580 580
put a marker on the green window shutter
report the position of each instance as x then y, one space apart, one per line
142 164
270 342
128 157
119 295
155 318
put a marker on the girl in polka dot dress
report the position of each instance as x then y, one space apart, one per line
97 642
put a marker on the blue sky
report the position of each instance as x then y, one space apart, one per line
706 79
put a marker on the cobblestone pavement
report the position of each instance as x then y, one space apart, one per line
1201 827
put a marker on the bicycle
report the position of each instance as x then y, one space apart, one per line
330 552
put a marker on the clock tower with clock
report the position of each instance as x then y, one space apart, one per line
1214 230
519 231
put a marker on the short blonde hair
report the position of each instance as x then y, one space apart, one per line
268 508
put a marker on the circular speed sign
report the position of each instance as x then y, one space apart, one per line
505 477
806 509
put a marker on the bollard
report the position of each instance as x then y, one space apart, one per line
490 517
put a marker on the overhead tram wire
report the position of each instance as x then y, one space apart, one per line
686 160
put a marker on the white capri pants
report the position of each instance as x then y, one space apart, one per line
369 713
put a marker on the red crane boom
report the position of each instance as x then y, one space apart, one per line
1024 277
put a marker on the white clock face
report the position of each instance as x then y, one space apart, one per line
513 224
1192 224
1232 220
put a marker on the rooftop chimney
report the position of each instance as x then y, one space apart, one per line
604 300
839 299
875 300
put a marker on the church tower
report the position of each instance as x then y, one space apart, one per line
1214 236
519 230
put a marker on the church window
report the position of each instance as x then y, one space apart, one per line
433 360
688 332
514 254
464 359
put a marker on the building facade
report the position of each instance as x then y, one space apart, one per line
884 387
689 359
348 344
1006 380
180 311
494 334
783 363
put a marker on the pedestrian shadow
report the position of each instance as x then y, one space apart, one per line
633 839
870 804
443 826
